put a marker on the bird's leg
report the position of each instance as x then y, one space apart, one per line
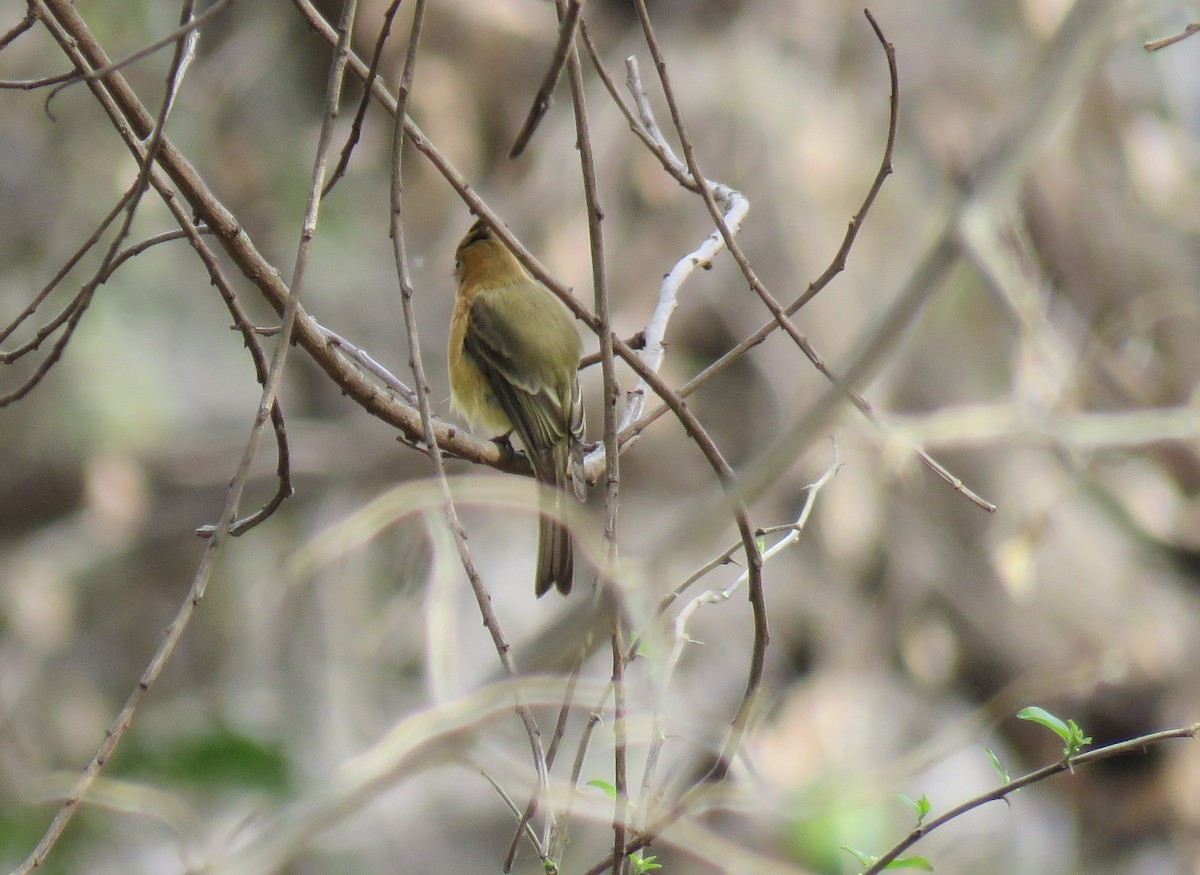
507 451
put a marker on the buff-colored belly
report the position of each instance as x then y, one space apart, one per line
470 394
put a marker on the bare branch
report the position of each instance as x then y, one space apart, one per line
19 28
1156 45
652 141
757 596
63 26
781 315
53 324
385 28
568 22
188 29
568 11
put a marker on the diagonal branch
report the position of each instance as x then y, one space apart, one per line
780 314
567 25
385 29
51 13
1133 745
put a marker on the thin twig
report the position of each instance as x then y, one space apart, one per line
652 140
368 363
53 324
740 722
568 22
385 28
184 31
636 341
569 13
62 21
594 720
1133 745
1157 44
525 829
35 84
141 246
792 529
560 727
19 28
482 596
838 264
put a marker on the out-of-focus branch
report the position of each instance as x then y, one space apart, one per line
438 736
1157 44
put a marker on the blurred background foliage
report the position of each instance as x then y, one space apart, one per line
1054 367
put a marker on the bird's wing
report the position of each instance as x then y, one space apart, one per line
519 336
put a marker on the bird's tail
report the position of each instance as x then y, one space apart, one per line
555 557
556 552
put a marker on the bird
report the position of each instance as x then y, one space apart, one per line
514 367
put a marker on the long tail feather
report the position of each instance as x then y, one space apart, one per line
555 557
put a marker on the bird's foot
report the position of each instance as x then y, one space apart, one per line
504 442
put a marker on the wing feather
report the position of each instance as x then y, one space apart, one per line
519 336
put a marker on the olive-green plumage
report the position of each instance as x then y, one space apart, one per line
514 360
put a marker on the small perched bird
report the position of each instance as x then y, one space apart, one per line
514 366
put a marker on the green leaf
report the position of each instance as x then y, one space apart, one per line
1076 740
642 864
865 859
921 807
1069 732
1045 718
218 760
919 863
997 765
609 789
868 861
